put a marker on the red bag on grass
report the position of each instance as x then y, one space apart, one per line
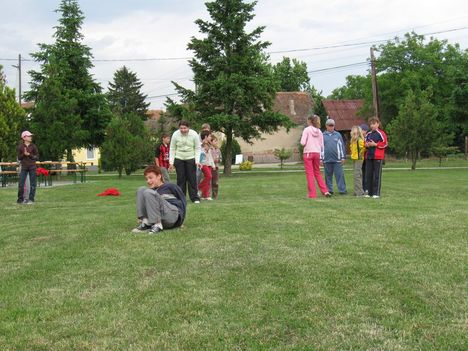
110 192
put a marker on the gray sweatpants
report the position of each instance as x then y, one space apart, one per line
152 206
165 174
357 173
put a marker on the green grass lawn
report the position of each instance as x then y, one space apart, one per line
262 268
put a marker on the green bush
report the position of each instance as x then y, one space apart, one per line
246 166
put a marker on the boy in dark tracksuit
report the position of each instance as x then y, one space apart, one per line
376 142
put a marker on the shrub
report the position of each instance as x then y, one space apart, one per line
282 154
246 166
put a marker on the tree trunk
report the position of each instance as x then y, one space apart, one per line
414 159
120 172
228 160
70 159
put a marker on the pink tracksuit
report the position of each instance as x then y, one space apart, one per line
312 140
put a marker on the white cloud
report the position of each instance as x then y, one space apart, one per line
147 31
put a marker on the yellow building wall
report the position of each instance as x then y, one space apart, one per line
81 155
262 150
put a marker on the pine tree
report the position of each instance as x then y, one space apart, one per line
125 94
69 103
12 118
235 85
416 128
127 145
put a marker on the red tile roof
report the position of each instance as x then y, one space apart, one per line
344 112
28 104
296 105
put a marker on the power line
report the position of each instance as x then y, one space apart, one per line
334 46
160 96
342 66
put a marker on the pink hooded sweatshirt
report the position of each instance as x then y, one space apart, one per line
312 140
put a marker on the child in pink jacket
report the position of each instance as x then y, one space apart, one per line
312 140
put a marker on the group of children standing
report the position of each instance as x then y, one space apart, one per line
367 153
208 170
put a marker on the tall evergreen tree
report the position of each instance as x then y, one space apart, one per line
70 104
12 118
235 85
125 94
127 145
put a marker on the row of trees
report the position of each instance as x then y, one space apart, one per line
70 110
423 89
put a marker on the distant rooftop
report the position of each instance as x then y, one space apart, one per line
344 112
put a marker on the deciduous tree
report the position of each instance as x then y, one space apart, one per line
12 118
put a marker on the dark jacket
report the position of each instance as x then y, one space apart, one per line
376 152
180 202
29 161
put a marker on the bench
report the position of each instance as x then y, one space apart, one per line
54 168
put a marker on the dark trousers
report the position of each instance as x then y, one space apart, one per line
214 182
374 176
32 181
187 177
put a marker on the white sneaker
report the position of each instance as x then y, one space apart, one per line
366 195
196 202
375 196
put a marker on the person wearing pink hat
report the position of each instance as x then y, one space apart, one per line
27 155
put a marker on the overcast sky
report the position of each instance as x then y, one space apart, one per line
153 29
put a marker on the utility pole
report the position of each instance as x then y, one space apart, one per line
19 79
375 90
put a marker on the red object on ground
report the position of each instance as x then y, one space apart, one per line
110 192
42 171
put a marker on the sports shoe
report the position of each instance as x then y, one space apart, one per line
142 227
19 201
155 229
367 195
207 198
196 202
29 202
327 194
375 196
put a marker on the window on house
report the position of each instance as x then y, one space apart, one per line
90 153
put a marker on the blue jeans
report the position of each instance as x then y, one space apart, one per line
335 168
32 181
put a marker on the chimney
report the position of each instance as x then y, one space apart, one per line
292 111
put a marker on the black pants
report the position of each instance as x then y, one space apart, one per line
374 176
32 182
187 176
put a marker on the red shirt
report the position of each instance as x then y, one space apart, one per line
162 154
